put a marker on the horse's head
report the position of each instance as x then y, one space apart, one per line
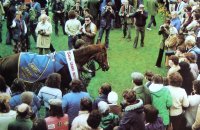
101 58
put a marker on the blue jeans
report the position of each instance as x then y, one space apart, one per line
101 31
71 41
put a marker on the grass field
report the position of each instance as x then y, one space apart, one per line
123 58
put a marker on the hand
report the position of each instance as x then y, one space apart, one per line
127 15
58 11
122 14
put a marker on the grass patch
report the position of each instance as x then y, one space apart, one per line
123 58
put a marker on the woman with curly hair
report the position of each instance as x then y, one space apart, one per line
179 101
51 90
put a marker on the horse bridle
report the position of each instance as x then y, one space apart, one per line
102 53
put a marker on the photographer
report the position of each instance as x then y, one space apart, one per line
105 23
43 31
125 11
58 15
164 31
141 16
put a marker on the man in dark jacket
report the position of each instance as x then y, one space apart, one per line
58 14
141 16
105 23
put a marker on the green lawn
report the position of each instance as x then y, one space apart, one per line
123 58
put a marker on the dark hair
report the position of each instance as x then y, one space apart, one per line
86 104
138 82
53 80
24 114
88 16
184 68
157 79
181 48
76 85
71 14
18 85
197 16
175 79
3 86
196 85
151 113
94 119
106 88
130 96
86 9
149 75
165 81
174 59
39 124
56 111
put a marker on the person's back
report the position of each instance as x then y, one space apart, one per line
72 100
23 121
133 118
57 123
143 93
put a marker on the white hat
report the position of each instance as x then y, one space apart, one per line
141 6
22 107
103 107
55 102
112 97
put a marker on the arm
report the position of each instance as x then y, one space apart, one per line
49 30
196 124
169 99
185 99
65 104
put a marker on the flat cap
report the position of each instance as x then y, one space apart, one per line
137 76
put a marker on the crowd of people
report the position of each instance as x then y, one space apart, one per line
162 103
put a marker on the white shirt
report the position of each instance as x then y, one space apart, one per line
72 27
179 100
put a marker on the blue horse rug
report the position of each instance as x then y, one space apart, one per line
33 67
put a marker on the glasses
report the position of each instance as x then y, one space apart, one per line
87 20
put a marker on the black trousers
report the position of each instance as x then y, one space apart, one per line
152 21
159 59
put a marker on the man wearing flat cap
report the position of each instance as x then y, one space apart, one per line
142 92
23 121
141 16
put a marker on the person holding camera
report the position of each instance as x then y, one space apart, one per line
43 31
125 11
164 31
105 23
58 15
140 16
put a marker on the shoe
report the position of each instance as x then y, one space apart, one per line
149 29
157 66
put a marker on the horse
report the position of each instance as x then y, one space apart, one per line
9 65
